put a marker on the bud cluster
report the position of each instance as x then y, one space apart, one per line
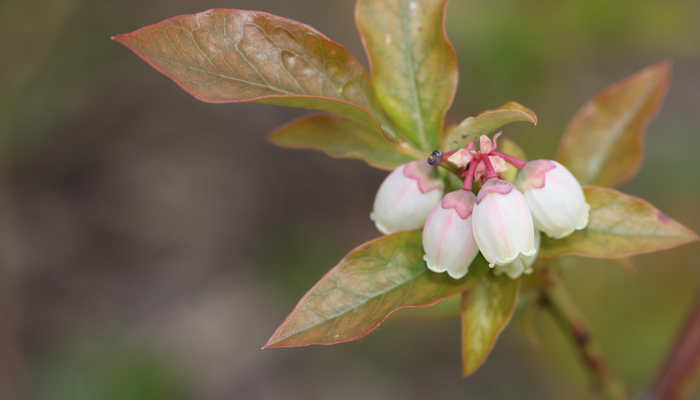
503 220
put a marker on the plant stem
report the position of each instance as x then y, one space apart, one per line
682 362
564 310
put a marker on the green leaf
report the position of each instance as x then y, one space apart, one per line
414 67
486 310
604 142
341 138
619 225
229 56
511 148
370 283
487 122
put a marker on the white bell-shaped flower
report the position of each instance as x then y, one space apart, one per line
522 264
502 223
555 198
406 197
448 239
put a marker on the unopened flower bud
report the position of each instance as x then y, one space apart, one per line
555 198
502 223
522 264
406 197
448 239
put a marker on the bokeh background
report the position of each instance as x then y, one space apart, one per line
153 243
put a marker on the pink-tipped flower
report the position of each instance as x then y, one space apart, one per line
406 197
554 196
448 239
522 264
502 223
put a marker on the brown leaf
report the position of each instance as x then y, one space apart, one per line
604 142
229 56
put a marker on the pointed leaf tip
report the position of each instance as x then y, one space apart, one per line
619 225
370 283
486 310
486 123
604 142
228 56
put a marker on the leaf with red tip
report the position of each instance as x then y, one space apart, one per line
619 225
414 67
487 122
341 138
228 56
604 142
486 310
371 282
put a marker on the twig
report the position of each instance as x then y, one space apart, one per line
569 318
682 362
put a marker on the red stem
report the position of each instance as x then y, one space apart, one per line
469 178
516 162
490 172
682 362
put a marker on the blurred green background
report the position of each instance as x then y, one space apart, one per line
153 243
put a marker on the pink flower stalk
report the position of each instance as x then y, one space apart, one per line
448 239
502 223
522 264
406 197
555 198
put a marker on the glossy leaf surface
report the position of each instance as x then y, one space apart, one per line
225 56
414 67
341 138
604 142
620 225
487 122
370 283
486 310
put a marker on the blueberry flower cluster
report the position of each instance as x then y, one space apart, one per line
503 220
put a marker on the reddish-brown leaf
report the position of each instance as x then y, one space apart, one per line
604 142
227 56
371 282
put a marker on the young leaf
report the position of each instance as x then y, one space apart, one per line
414 67
229 56
604 142
619 225
341 138
486 310
370 283
487 122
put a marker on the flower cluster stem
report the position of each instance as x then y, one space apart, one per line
469 175
562 307
516 162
